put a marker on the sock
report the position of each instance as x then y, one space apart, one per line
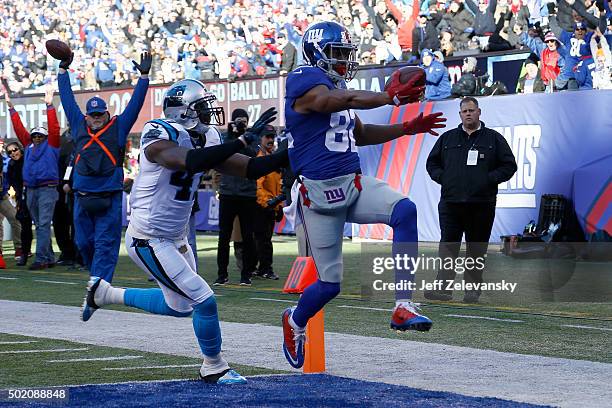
152 301
213 365
206 327
113 296
405 243
313 299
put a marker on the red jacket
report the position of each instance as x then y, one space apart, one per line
24 136
405 24
550 65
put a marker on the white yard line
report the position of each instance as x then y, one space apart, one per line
150 367
18 342
274 300
7 278
44 351
577 326
484 318
78 360
365 308
430 366
58 282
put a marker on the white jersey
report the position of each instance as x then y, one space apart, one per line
161 199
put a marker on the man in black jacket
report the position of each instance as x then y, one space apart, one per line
237 197
469 162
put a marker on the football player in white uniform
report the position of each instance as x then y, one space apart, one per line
161 202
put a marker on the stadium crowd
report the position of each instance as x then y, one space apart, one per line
233 38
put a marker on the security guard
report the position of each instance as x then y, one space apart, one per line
469 162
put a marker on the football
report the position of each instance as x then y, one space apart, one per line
58 50
417 74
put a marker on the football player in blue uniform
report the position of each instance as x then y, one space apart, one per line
324 133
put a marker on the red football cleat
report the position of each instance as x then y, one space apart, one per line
406 316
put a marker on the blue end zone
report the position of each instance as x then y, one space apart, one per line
278 391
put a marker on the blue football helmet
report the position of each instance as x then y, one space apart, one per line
328 45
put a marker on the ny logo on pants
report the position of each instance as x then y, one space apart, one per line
334 195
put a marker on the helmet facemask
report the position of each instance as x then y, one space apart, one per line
207 111
340 60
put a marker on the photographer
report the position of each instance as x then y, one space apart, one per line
269 208
236 198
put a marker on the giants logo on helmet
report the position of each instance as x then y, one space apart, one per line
315 36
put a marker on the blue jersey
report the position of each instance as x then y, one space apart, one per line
575 50
321 145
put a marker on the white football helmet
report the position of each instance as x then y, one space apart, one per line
190 104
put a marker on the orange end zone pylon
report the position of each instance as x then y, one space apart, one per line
303 274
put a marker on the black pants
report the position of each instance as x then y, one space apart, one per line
475 220
64 228
23 216
264 228
229 208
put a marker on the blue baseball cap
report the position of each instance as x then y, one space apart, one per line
96 105
579 25
427 52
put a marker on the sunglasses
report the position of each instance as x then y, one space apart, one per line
37 135
97 114
551 41
11 151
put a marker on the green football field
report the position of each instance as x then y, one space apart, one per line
576 330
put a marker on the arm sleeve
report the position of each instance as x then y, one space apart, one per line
535 44
506 163
22 134
54 127
582 11
130 114
260 166
435 76
434 162
71 109
472 6
199 160
394 10
263 195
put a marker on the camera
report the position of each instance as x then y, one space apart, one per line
273 202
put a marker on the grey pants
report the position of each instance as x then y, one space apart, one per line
324 231
8 210
41 203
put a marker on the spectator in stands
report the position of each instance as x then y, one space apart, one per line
484 20
269 208
424 35
98 170
466 85
405 26
40 177
15 180
603 62
550 58
237 197
368 42
437 82
461 22
288 56
105 71
531 81
446 42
